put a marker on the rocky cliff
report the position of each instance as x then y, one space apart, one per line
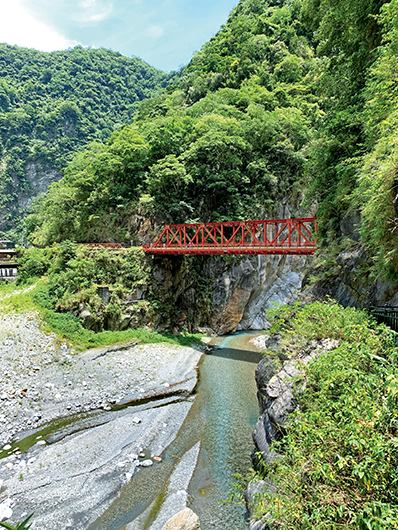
226 294
221 294
347 275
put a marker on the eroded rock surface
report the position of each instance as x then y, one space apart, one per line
74 480
244 292
253 491
183 520
225 296
40 381
74 474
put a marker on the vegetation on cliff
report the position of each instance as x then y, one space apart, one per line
140 292
352 157
288 96
53 104
340 451
69 276
222 145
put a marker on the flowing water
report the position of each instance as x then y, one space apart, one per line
222 417
223 413
229 411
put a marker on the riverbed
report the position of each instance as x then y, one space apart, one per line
89 472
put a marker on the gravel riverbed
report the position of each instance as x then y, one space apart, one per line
41 381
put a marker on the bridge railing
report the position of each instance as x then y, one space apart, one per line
278 236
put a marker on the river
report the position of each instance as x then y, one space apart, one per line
72 469
222 417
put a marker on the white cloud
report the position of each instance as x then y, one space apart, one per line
92 12
88 3
17 26
155 32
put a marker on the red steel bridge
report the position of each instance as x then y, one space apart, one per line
273 236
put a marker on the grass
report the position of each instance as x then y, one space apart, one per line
20 526
68 328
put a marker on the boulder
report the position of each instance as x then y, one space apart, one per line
263 435
183 520
254 489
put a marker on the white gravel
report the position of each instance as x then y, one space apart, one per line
40 380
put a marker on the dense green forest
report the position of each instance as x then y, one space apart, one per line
291 98
53 104
224 144
288 96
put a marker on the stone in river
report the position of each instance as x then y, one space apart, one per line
5 510
183 520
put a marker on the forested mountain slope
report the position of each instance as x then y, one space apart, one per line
288 96
224 144
53 104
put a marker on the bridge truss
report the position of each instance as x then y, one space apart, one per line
273 236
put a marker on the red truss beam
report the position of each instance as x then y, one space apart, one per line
273 236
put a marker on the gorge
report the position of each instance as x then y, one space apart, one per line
128 381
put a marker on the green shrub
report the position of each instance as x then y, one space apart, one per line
340 453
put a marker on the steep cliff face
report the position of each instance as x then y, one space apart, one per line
244 291
224 294
349 280
352 285
38 179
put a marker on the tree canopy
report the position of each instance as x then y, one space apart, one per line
223 144
53 104
289 96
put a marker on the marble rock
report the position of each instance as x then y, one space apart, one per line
183 520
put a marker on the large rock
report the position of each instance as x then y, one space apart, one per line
243 292
253 492
276 389
183 520
265 370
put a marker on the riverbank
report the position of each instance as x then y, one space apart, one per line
46 387
41 381
328 403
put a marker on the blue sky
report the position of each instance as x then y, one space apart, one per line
165 33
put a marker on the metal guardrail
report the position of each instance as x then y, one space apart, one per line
385 315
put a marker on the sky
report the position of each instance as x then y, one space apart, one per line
164 33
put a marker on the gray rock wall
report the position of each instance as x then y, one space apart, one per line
244 291
352 283
224 295
39 179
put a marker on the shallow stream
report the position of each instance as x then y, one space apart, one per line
222 417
